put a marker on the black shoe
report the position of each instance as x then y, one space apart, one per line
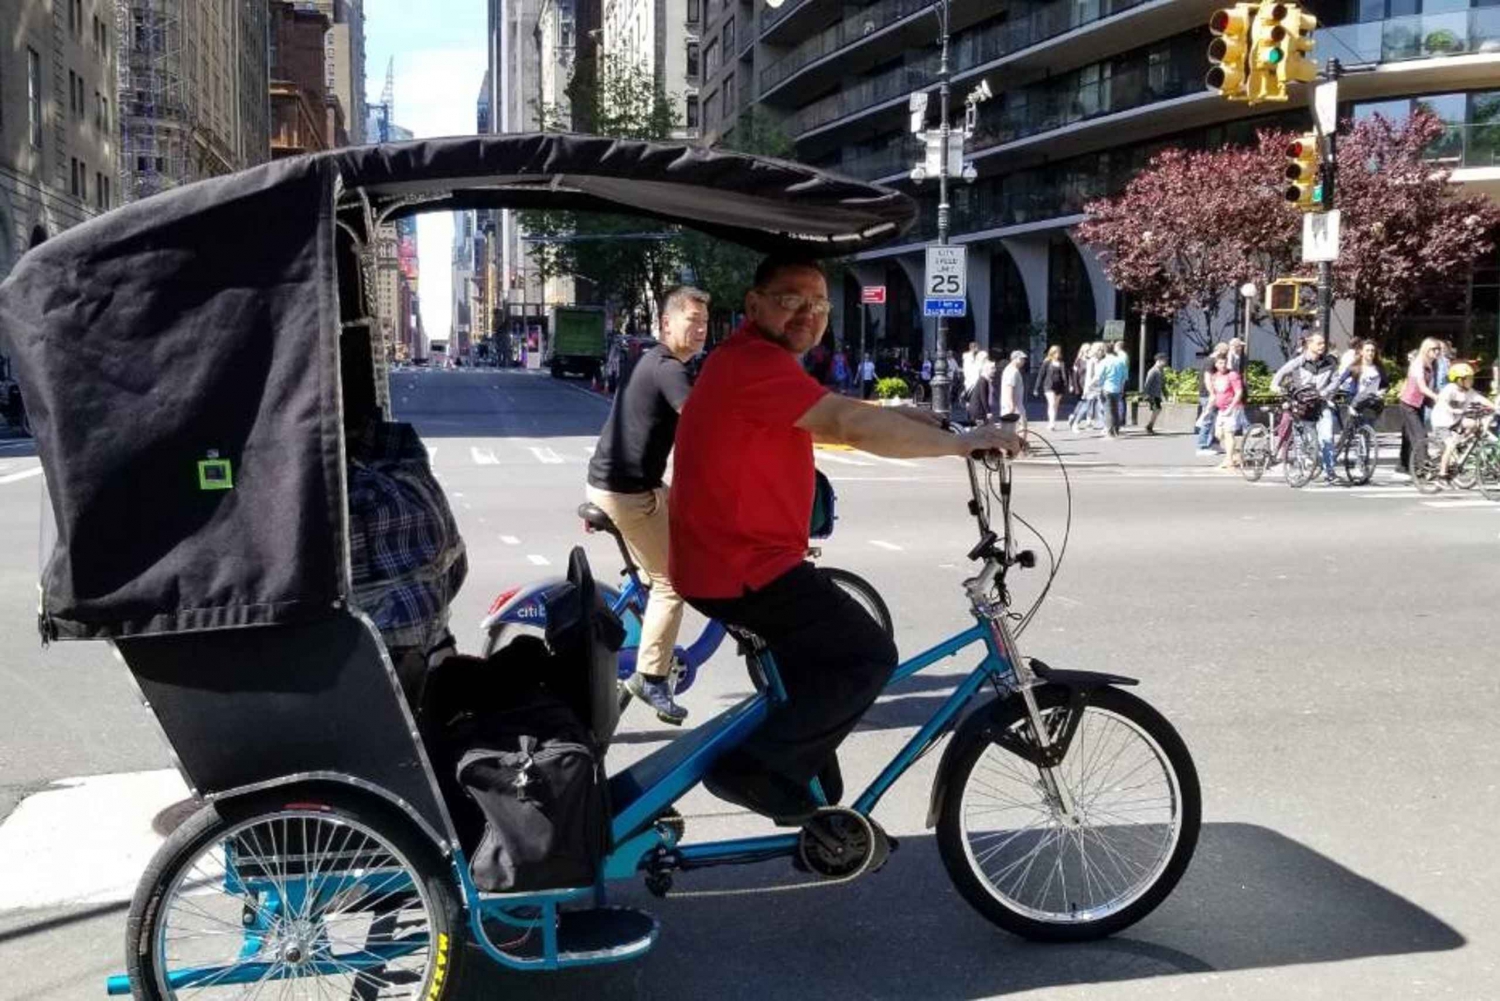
657 693
746 784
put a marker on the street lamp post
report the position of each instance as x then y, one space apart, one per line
941 379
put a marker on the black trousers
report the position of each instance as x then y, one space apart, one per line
832 657
1413 438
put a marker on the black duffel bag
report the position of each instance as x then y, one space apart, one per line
535 774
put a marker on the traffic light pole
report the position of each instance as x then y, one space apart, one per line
942 380
1330 166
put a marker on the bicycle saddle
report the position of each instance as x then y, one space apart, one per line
595 518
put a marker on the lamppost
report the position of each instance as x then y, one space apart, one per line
1250 292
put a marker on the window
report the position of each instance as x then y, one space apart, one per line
711 58
729 106
694 11
729 38
693 61
104 112
34 95
710 105
692 111
75 17
73 185
72 92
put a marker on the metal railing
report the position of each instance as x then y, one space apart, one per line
894 159
985 44
1467 145
887 86
1048 107
1420 36
838 35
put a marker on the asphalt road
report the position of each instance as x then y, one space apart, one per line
1321 651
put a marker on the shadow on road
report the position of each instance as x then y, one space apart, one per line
1251 899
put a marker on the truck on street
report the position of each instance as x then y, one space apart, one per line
575 341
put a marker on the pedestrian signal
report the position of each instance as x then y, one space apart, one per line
1304 159
1229 50
1290 297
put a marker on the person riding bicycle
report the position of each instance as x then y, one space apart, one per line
741 503
626 480
1450 420
1313 368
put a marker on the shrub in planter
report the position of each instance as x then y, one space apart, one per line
892 389
1181 385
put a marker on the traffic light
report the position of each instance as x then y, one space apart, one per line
1266 56
1304 186
1229 50
1293 34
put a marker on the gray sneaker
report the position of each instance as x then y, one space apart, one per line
657 693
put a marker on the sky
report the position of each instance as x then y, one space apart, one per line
440 52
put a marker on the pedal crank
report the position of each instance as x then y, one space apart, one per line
837 843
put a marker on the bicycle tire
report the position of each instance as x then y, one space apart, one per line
502 633
1466 477
352 821
1255 452
1425 476
1108 709
864 594
1302 458
1489 470
1361 455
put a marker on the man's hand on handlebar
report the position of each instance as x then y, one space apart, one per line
1003 437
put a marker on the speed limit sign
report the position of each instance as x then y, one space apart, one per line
945 288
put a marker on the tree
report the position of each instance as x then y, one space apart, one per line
626 259
724 270
1406 230
1192 227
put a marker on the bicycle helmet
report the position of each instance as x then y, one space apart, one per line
1460 370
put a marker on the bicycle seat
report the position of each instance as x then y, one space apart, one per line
595 518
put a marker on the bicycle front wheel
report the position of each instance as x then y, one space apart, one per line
1361 453
1030 867
1255 452
864 595
1489 470
1301 456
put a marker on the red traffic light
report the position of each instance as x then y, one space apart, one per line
1296 149
1219 23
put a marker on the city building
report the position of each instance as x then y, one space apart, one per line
345 62
1084 94
306 115
58 147
663 38
193 90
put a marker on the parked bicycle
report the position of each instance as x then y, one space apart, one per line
1293 442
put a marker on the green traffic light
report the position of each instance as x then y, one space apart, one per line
1273 57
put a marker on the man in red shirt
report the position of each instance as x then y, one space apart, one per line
742 497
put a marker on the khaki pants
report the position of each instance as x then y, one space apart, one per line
642 520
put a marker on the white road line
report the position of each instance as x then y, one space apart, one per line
841 460
885 545
510 540
20 443
1476 502
431 454
589 449
540 561
83 840
881 458
24 474
1391 494
483 456
546 455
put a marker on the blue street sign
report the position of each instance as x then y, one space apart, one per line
944 307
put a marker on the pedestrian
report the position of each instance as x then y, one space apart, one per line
1416 393
1206 422
1154 389
1120 353
973 361
867 378
979 396
1012 396
626 480
1236 357
1079 370
1113 372
840 370
1228 391
1052 383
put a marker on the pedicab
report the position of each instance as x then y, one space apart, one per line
191 362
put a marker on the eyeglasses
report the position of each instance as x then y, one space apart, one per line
794 303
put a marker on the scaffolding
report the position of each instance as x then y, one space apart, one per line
167 134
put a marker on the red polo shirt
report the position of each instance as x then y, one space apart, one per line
742 482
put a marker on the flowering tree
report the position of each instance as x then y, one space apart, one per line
1192 227
1406 229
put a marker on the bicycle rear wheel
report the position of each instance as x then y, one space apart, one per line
1361 453
1489 470
1466 477
1255 453
1301 456
864 595
1022 863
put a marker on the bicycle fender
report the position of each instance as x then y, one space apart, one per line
527 606
989 720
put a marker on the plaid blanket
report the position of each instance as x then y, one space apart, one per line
406 556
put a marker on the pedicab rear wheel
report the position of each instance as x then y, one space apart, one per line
309 890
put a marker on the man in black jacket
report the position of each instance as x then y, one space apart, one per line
626 480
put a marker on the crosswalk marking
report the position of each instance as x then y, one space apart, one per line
540 561
546 455
1475 502
882 544
24 474
510 540
883 458
841 460
483 456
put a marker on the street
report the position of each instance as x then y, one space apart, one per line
1321 651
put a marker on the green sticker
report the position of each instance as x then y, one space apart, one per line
215 474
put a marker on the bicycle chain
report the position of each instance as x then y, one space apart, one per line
864 867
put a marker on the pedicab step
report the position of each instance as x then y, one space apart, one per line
584 938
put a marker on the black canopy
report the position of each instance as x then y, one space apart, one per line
179 355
